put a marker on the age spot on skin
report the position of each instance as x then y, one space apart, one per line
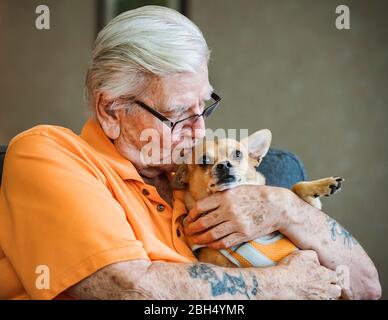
258 220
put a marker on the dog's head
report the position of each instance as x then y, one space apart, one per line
221 164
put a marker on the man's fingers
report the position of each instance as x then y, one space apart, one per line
335 292
333 277
338 291
204 205
209 220
311 255
227 242
214 234
328 276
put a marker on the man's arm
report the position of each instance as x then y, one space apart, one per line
299 276
310 228
247 212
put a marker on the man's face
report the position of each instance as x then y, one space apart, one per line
176 97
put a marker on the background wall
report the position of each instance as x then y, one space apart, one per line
277 64
42 71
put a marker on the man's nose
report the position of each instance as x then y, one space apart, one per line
199 128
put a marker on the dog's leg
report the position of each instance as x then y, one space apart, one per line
311 191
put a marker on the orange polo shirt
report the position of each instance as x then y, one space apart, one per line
74 205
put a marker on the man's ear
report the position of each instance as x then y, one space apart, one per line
108 119
180 178
258 143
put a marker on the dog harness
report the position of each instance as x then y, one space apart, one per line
263 252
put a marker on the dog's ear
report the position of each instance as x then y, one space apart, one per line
180 180
258 143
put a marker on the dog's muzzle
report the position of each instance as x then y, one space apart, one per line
223 172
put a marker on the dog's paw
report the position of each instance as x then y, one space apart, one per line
327 186
336 185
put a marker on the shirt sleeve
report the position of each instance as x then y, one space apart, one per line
58 215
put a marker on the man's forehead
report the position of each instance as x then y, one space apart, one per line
185 89
188 98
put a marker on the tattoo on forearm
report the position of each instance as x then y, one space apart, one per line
336 230
228 284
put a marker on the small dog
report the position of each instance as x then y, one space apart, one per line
221 164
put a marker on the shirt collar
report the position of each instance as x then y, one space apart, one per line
93 134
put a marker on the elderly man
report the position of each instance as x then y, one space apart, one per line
87 217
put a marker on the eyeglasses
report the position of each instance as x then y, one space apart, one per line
205 113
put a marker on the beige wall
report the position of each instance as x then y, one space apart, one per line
42 72
323 92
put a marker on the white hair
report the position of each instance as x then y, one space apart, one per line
143 43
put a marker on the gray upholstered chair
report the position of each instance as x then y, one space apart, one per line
282 168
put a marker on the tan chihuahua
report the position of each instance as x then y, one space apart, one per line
221 164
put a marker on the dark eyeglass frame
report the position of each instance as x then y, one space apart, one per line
205 113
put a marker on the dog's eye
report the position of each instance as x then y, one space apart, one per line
204 160
237 155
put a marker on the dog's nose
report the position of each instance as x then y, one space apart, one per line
224 166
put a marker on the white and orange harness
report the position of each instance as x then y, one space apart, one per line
263 252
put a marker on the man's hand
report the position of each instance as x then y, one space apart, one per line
238 215
307 278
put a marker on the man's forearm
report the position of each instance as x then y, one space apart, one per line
312 229
203 281
162 280
140 279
